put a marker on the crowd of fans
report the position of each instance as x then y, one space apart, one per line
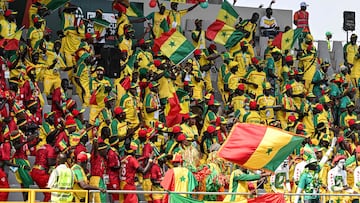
130 139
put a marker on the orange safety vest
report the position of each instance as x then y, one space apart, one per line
302 18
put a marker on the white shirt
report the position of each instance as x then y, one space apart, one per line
268 22
336 178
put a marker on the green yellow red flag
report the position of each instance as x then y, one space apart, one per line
174 45
227 14
286 40
262 147
224 34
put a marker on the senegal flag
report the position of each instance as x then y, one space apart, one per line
266 198
132 10
224 34
262 147
227 14
286 40
100 22
174 45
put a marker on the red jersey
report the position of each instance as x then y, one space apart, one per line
5 151
56 98
43 154
112 161
156 173
22 152
97 165
129 166
79 148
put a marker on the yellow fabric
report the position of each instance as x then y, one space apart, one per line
175 16
7 29
201 44
120 23
268 114
146 186
257 78
158 18
242 187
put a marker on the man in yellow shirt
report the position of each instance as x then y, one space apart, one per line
128 102
35 33
198 35
8 25
350 50
152 104
267 105
175 15
82 78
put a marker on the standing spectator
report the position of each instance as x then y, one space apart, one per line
268 24
129 167
328 38
62 177
249 26
198 35
80 178
301 18
175 15
350 51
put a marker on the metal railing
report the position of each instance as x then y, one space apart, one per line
32 193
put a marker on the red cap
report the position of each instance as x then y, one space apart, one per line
340 139
252 104
70 121
82 157
141 42
351 122
142 133
197 52
118 110
288 86
75 112
300 127
157 63
88 35
292 118
211 129
176 129
212 46
338 158
319 107
288 58
241 86
181 137
254 60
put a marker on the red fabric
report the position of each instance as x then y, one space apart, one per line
21 153
26 20
240 134
112 161
268 198
155 171
130 198
173 116
130 165
97 165
3 184
41 178
56 98
5 151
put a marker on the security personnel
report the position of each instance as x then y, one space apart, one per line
61 178
267 105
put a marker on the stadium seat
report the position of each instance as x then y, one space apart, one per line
45 99
338 55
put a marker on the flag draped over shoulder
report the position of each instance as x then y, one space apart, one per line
262 147
55 4
227 14
286 40
267 198
174 45
224 34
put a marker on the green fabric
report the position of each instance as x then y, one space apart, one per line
24 174
350 160
308 182
247 177
78 173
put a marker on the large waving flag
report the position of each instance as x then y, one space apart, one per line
227 14
174 45
224 34
262 147
286 40
267 198
130 10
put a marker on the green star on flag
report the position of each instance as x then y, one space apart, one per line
226 17
182 179
172 44
269 151
223 34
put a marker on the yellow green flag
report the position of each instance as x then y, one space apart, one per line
227 14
